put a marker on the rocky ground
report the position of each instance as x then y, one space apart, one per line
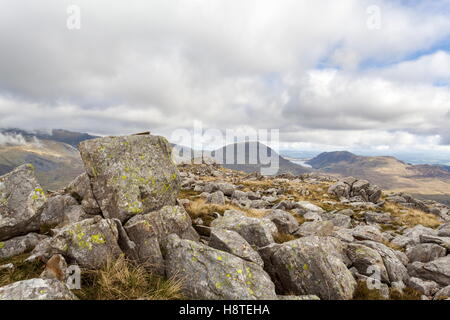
141 228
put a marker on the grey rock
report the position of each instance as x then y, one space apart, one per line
81 190
284 221
341 220
216 198
411 236
148 231
371 233
425 252
257 232
207 273
442 241
444 230
21 198
443 294
340 189
131 174
308 206
231 242
305 266
437 270
19 245
367 261
377 217
315 228
299 298
54 211
89 243
394 266
36 289
427 288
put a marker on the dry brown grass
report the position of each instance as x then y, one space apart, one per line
198 208
22 270
124 280
284 237
411 217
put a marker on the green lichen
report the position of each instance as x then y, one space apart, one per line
2 245
98 239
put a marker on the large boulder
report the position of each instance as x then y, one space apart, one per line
425 252
305 266
411 236
210 274
257 232
89 243
371 233
37 289
367 261
19 245
21 198
230 241
437 270
315 228
394 266
147 231
131 174
358 189
284 221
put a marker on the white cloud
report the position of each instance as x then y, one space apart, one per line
160 65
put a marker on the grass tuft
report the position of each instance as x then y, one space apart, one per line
124 280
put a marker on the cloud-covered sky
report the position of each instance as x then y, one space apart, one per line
320 71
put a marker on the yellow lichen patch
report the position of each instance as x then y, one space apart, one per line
2 245
98 239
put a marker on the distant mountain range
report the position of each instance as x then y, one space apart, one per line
53 154
424 181
57 162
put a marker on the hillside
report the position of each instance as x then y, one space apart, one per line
285 166
423 181
55 157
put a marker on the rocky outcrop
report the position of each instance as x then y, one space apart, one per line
257 232
437 270
356 190
148 231
130 175
306 266
21 198
207 273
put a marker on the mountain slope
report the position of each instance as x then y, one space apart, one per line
285 166
425 181
54 155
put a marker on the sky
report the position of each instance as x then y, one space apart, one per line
329 75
